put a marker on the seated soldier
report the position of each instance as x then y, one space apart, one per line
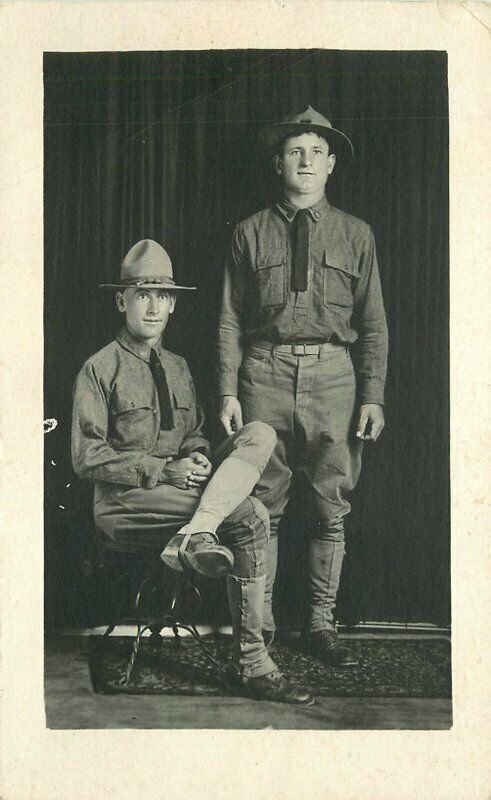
137 433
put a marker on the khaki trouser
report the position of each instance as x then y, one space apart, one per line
310 402
128 514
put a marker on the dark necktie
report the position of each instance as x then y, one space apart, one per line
300 247
166 416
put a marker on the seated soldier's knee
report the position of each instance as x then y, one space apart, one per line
263 432
262 435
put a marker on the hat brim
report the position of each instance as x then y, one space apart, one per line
139 285
273 134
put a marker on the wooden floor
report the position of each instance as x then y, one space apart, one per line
72 704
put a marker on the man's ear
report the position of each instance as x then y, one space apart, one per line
277 164
120 302
332 161
172 303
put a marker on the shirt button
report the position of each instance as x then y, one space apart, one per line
316 214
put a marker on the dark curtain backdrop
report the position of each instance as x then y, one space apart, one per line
161 145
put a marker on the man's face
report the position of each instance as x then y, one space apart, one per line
147 311
305 164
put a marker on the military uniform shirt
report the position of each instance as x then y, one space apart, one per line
342 304
116 435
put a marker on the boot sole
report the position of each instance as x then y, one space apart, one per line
304 703
235 684
212 564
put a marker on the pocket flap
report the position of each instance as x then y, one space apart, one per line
341 261
267 260
182 396
124 404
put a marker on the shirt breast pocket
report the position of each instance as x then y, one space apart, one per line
182 396
340 276
132 422
271 280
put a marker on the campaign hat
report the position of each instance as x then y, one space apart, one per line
308 121
146 265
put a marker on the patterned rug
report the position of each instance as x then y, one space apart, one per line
387 668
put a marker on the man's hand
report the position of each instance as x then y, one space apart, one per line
230 414
185 473
202 469
201 461
371 422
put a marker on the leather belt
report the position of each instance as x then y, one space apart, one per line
299 349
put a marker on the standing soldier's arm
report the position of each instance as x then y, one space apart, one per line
370 351
230 336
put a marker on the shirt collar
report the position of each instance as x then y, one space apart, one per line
289 210
136 346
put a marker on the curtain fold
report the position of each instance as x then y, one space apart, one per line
161 145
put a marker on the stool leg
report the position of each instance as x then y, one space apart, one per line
139 595
175 631
177 606
141 628
134 654
191 629
115 607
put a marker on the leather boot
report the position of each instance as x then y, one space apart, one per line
255 673
327 647
277 688
326 561
271 565
198 551
245 598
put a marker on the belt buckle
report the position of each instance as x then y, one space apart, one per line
298 349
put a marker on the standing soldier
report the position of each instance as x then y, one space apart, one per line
303 347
